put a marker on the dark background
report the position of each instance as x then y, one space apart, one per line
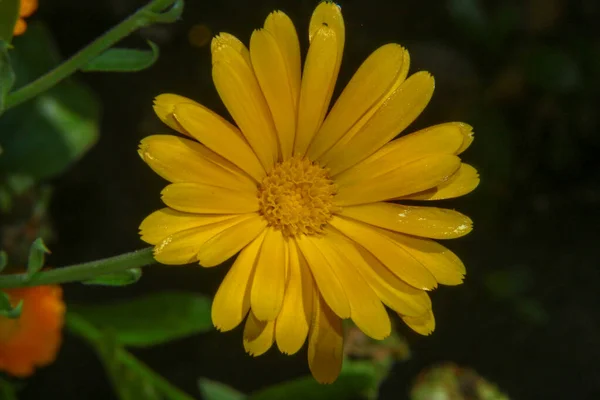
524 73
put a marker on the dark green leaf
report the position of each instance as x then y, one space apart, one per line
43 137
212 390
357 378
553 69
123 60
151 319
6 308
3 260
123 278
7 75
7 390
131 379
9 13
37 256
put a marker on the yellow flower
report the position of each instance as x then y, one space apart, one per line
34 338
27 8
310 199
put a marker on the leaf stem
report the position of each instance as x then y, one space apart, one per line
80 272
155 11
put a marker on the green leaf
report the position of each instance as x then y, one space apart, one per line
123 60
213 390
122 278
7 75
131 379
7 390
43 137
9 14
6 308
37 256
3 260
159 317
356 378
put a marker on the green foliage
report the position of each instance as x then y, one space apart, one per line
123 60
7 390
213 390
358 378
43 137
3 260
7 75
151 319
6 308
122 278
37 255
552 69
131 379
9 14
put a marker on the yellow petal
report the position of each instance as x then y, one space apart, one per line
295 316
282 29
202 198
181 160
271 72
318 82
162 223
329 14
239 90
443 264
227 243
439 139
219 136
388 252
182 247
392 291
258 335
366 309
464 181
328 284
232 301
377 74
424 324
164 107
467 131
413 177
431 222
325 343
269 284
398 111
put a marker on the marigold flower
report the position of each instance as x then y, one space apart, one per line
27 8
310 199
34 338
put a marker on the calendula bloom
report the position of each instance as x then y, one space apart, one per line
27 8
34 338
311 199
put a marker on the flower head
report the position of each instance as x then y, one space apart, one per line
27 8
311 198
33 339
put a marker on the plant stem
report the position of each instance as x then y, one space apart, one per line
143 17
80 272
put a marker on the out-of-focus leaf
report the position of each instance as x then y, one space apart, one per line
7 75
213 390
123 278
7 390
6 308
44 136
123 60
37 256
9 13
510 282
357 378
131 379
152 319
552 69
3 260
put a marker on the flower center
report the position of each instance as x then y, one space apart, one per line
296 197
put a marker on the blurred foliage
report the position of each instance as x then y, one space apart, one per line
7 390
150 319
9 13
43 137
450 382
123 60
